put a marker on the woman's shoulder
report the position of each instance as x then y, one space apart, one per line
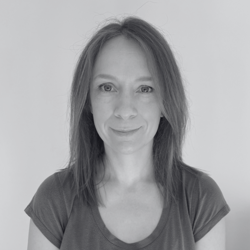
52 204
66 179
203 199
191 175
198 184
57 189
62 180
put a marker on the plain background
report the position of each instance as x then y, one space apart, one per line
39 46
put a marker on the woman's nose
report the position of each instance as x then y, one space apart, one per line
125 107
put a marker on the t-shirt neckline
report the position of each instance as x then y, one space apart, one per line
136 245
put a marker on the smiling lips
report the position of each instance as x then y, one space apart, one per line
125 132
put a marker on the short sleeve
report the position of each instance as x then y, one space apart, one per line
208 206
47 210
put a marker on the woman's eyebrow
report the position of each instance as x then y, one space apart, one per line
110 77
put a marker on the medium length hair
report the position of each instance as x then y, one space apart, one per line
86 146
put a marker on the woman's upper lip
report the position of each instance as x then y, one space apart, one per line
126 130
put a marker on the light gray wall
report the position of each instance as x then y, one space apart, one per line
39 46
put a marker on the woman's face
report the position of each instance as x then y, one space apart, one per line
123 97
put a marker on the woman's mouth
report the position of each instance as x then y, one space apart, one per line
125 132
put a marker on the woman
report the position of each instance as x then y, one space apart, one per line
126 186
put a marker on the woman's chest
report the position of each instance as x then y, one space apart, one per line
132 218
134 222
130 225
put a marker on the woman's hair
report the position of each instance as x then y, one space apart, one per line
87 148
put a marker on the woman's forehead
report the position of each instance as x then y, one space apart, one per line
119 56
121 44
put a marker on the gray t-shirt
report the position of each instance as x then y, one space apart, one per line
69 224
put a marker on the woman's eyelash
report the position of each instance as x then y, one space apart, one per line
147 87
143 86
103 85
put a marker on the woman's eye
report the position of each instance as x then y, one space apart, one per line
109 88
105 87
146 89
